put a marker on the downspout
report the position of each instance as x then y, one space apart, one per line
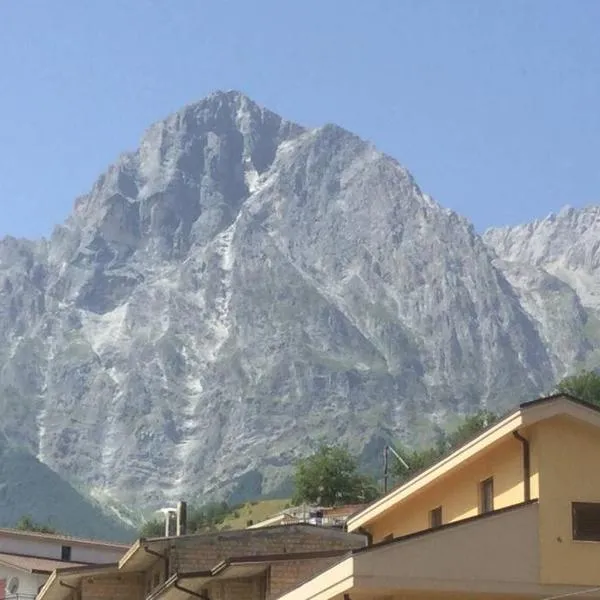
526 465
70 587
163 557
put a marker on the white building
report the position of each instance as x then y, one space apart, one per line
28 558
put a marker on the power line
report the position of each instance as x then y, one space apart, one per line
570 594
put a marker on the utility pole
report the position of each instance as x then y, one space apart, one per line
386 451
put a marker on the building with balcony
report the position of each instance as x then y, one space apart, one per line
250 563
514 513
28 558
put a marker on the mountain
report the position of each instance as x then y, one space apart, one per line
28 487
240 288
554 267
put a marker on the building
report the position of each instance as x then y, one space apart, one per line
335 516
514 513
257 564
28 558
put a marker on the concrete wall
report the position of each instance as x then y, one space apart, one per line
494 552
568 454
458 492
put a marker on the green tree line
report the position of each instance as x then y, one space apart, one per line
332 475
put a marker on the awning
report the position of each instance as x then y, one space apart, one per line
33 564
59 585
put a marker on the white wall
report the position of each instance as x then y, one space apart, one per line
28 583
80 552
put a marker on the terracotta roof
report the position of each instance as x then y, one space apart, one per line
345 510
60 537
34 564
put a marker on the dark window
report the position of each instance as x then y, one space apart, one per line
389 537
486 496
65 553
435 517
586 521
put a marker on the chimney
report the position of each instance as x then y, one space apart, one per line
181 518
168 515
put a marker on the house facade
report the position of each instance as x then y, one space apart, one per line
512 514
515 513
257 564
28 558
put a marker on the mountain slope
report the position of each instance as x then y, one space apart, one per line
240 288
28 487
554 266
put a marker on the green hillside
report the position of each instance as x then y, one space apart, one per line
28 487
255 512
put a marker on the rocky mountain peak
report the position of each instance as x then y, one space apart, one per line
239 288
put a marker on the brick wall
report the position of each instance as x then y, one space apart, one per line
119 587
285 576
202 552
237 589
282 576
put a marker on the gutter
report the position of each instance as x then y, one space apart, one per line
367 534
526 465
190 592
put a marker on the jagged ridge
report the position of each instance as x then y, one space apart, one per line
240 288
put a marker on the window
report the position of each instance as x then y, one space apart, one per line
486 496
586 521
435 517
65 553
389 537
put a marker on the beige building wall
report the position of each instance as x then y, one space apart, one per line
568 454
458 492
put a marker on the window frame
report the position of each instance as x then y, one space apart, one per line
576 535
66 553
436 517
485 486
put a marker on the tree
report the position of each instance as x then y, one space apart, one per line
472 426
330 477
585 386
26 523
419 460
153 528
204 518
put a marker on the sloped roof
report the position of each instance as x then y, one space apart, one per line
33 564
527 414
59 537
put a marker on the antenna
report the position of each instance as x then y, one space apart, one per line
386 451
168 513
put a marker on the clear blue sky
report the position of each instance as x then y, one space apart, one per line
493 105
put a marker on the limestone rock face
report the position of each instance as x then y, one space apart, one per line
241 288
